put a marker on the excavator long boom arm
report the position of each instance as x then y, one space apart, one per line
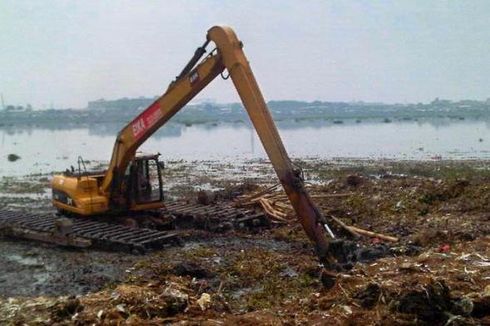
229 55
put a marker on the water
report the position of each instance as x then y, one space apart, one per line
46 150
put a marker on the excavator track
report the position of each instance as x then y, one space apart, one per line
91 232
82 232
215 217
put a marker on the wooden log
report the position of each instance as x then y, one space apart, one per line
345 227
269 206
264 192
282 205
373 234
356 231
247 200
271 212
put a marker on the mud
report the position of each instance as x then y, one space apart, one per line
34 269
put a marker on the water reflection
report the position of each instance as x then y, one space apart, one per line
52 147
173 129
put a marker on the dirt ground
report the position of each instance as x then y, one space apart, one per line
438 273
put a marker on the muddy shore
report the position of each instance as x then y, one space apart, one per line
437 273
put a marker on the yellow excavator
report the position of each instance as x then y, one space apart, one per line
126 186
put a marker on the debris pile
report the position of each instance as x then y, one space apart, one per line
273 200
437 272
276 205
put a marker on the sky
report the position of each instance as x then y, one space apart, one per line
66 53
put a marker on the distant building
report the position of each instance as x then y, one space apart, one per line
123 104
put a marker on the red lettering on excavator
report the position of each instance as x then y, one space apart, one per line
146 120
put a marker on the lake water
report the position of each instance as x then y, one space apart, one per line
43 150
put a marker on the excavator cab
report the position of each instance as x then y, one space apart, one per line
141 188
145 186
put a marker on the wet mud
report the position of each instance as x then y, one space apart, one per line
35 269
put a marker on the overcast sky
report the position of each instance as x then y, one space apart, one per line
70 52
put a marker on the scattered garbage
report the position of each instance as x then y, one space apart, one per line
204 301
444 248
174 300
437 272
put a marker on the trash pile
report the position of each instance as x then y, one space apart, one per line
224 283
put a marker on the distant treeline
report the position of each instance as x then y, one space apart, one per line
125 109
120 104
